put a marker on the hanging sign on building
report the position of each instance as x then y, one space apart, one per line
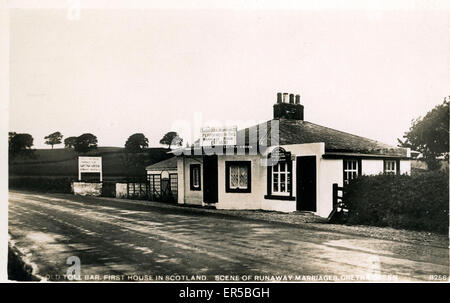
90 165
216 136
278 154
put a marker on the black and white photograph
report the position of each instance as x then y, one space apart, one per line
224 141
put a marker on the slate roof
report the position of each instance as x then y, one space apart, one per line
299 132
168 164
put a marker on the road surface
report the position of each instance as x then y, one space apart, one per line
120 240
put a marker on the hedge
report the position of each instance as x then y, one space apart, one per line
419 202
43 184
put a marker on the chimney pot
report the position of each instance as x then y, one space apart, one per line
291 110
291 98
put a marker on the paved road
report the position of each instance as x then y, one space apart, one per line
120 240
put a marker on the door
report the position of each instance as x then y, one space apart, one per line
210 179
306 183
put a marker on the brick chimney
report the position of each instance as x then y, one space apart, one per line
288 109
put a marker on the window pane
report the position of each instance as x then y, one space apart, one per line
234 176
282 165
243 176
275 167
283 183
275 183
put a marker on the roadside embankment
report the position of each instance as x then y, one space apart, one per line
18 269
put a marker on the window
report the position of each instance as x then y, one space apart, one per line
155 184
390 167
351 170
281 179
173 178
195 177
279 175
238 176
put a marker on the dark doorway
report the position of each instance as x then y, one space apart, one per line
306 183
210 182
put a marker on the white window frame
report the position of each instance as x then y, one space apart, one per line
350 171
390 167
278 173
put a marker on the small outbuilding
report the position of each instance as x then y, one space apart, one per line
163 180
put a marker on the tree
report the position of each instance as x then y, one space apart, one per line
171 138
136 143
19 144
85 143
429 135
53 139
70 142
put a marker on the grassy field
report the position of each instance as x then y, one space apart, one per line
64 162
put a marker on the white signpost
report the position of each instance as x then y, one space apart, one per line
90 165
216 136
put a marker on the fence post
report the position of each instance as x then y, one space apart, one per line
335 194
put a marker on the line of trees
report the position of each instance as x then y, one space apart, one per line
81 144
138 142
21 143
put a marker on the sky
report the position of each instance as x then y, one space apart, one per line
115 72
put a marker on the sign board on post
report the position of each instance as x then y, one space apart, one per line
90 165
216 136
